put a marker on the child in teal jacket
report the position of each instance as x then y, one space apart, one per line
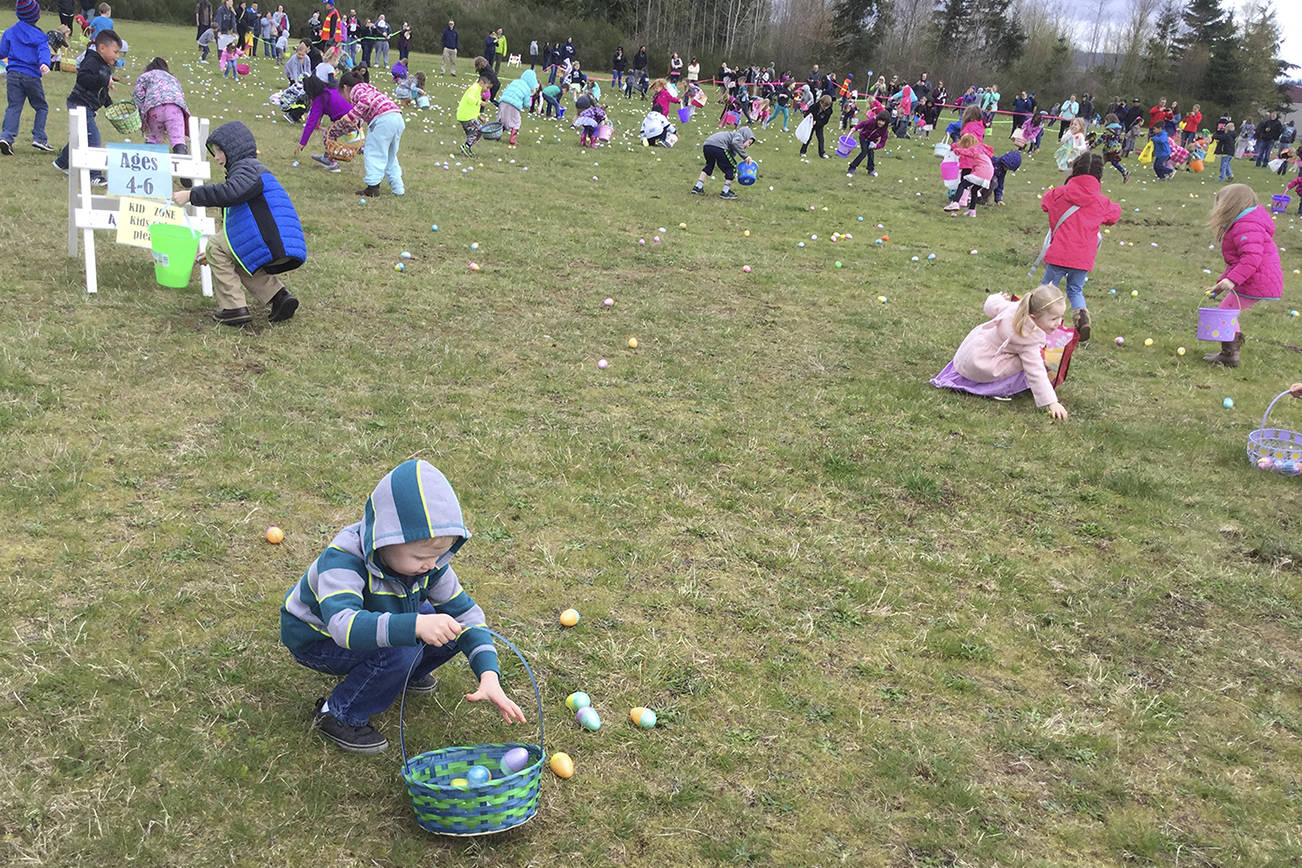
382 597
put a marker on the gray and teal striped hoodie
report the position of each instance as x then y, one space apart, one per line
348 594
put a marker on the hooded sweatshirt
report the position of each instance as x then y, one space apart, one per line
1251 257
519 93
1009 162
349 595
26 47
732 141
468 107
1076 242
259 221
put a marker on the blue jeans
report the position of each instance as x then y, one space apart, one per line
552 106
372 680
92 140
779 110
551 74
1263 153
22 87
1076 278
616 78
382 139
1226 174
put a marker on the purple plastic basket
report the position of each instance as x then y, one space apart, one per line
1217 323
1279 203
1275 449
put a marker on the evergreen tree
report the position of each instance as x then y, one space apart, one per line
864 24
1205 22
1159 52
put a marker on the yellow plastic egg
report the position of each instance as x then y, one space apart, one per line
562 766
460 782
1148 342
632 343
569 617
746 233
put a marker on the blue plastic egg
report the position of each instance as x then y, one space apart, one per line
478 775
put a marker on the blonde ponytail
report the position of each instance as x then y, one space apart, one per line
1044 297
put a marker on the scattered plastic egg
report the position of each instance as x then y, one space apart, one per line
478 774
514 760
588 718
632 343
577 700
745 269
1148 342
561 765
1121 342
1228 403
1180 351
569 617
602 364
610 302
643 717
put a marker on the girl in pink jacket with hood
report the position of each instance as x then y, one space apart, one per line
1075 236
976 175
1253 272
1006 355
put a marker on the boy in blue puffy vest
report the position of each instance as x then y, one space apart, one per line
383 601
261 235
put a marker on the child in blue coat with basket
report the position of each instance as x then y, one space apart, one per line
382 597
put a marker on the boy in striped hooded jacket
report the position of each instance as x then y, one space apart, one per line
382 603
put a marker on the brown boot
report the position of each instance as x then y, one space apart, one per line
1080 320
1229 354
372 190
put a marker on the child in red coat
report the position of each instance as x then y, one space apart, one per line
1076 211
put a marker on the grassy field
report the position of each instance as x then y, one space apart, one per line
881 624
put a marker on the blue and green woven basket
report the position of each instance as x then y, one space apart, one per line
504 802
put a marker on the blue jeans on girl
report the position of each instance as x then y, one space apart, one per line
1226 174
1076 278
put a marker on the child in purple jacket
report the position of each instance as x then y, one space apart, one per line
872 132
325 101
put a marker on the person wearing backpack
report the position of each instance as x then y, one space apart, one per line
1076 211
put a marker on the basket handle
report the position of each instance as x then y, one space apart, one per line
402 707
1266 415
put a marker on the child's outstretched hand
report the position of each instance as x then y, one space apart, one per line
1295 390
1057 411
490 688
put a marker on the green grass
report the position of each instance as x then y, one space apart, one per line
881 624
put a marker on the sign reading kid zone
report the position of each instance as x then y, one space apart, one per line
139 170
135 216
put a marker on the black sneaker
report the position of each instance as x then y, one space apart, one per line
698 191
6 148
465 149
42 146
357 739
727 194
424 684
283 306
235 316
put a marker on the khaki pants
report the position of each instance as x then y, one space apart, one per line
449 59
229 279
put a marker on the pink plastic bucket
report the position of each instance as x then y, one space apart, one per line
731 117
949 170
845 145
684 115
1217 323
604 132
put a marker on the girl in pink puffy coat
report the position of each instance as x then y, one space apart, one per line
1253 272
978 170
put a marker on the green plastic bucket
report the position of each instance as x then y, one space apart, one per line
175 248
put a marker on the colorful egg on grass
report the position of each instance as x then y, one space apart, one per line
589 719
561 765
478 774
643 717
1228 403
514 760
275 535
577 700
569 617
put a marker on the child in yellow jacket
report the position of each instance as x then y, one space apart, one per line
468 111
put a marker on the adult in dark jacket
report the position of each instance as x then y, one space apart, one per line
569 50
261 235
1087 110
618 63
490 46
227 19
1021 111
640 59
1268 133
202 15
451 42
922 89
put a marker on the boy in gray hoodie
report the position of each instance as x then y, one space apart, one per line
723 150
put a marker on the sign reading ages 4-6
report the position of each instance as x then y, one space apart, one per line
139 170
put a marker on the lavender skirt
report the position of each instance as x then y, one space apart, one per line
949 378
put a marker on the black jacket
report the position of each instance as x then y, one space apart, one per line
93 77
1270 130
639 60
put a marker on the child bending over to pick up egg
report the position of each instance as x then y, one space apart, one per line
1005 355
383 596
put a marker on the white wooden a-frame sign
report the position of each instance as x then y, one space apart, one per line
88 212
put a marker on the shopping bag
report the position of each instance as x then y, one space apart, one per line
1146 155
805 129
